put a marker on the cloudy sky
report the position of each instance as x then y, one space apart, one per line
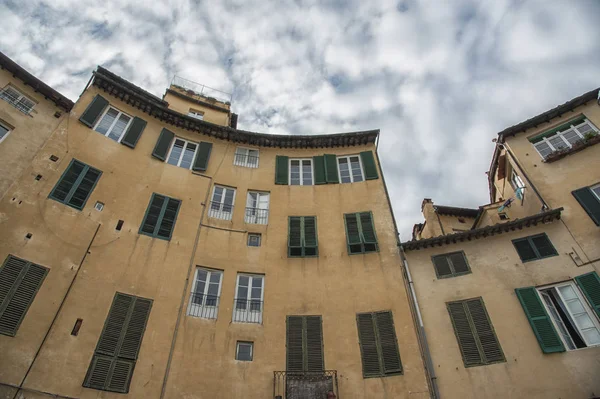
440 78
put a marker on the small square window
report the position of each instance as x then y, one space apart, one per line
99 206
503 216
254 240
244 351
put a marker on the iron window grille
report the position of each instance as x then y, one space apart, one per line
246 157
566 137
221 206
205 295
17 99
257 208
248 304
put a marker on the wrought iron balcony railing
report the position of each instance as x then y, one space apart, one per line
220 210
249 161
247 310
204 306
294 385
256 216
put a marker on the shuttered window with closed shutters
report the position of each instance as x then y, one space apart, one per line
302 237
451 265
160 217
75 185
378 344
360 233
534 247
474 332
112 365
20 281
304 344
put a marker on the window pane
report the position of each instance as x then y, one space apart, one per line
107 120
567 292
188 155
557 142
584 128
356 172
215 277
596 190
257 282
243 281
571 136
3 131
306 172
592 336
543 148
119 127
176 152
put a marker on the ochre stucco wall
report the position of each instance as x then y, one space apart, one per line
212 115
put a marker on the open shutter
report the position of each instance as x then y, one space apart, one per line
352 233
484 331
314 344
133 133
201 161
294 345
589 202
368 230
115 325
368 345
590 285
464 334
501 167
368 161
319 163
388 343
539 320
281 170
331 169
93 111
162 144
310 235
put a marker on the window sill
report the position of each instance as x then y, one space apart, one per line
541 258
555 156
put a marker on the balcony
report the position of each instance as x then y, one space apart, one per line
256 216
293 385
247 310
220 210
203 306
249 161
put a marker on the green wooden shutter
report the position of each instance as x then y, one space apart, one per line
134 331
331 169
294 344
201 161
295 236
352 232
97 375
19 283
388 343
589 202
153 213
524 249
310 236
484 332
319 164
281 169
464 334
367 228
314 344
442 266
590 285
65 185
120 377
368 345
162 144
169 216
114 325
459 263
134 132
540 321
369 165
83 187
93 111
543 246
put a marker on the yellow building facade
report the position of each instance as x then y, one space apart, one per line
509 293
167 254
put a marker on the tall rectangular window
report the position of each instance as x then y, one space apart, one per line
160 217
350 169
475 334
221 206
301 172
76 184
206 292
17 99
246 157
248 301
257 207
534 247
360 233
304 344
113 124
20 281
451 265
302 236
182 153
111 368
378 344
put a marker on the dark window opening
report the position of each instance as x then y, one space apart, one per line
38 177
119 225
76 327
461 220
53 158
28 236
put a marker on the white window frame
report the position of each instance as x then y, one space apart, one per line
561 134
592 188
347 158
256 218
205 311
248 315
185 143
254 235
592 315
515 180
245 157
312 171
8 131
17 102
196 114
112 125
237 350
218 214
